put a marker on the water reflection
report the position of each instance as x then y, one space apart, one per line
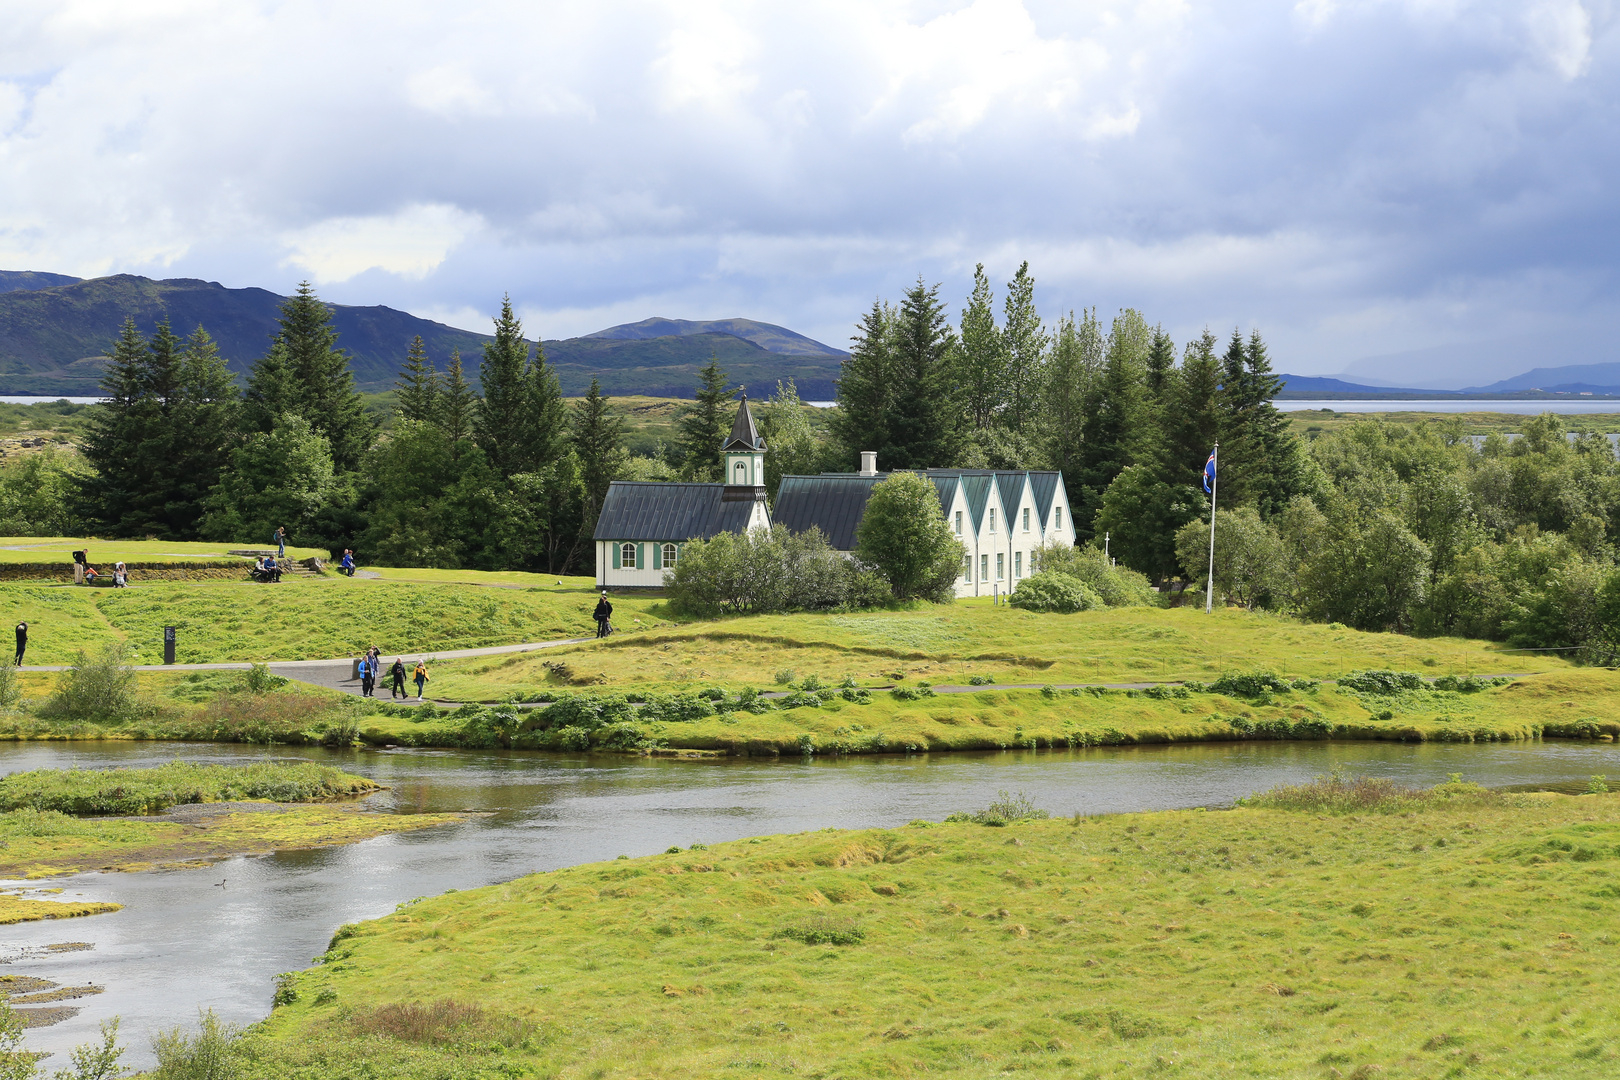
182 942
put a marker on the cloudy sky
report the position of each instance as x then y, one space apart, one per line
1417 191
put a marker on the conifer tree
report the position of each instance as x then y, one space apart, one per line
1025 350
1260 457
921 425
866 386
1077 353
506 421
322 382
457 406
1161 367
270 392
983 355
205 425
114 432
418 385
795 450
1111 436
597 439
1193 420
705 424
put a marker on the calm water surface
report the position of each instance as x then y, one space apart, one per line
182 943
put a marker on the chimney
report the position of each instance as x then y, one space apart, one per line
868 462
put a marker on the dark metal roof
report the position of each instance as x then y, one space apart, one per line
1011 485
744 436
636 510
1043 485
832 503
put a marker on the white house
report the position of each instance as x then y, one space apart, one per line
643 526
1001 516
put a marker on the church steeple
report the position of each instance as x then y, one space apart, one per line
744 453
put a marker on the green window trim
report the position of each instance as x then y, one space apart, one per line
641 556
615 546
658 556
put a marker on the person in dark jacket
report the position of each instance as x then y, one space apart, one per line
398 674
22 641
604 612
368 675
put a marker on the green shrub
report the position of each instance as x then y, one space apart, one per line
1382 683
586 711
1339 794
259 680
1165 693
786 676
211 1054
1117 586
824 930
907 693
100 688
1006 810
1250 684
1464 684
980 680
1053 591
798 699
676 708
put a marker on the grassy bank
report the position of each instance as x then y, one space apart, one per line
150 791
1471 933
18 909
956 643
1567 704
297 619
35 844
103 553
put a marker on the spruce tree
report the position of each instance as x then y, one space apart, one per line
1111 434
1193 418
866 386
597 438
1260 458
322 382
270 392
922 429
205 424
983 355
1077 353
1025 350
505 415
115 429
705 424
457 406
417 388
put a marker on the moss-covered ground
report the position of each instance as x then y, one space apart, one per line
957 642
16 909
1475 939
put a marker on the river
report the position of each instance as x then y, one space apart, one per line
183 943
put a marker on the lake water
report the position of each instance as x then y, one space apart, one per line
34 399
182 943
1567 406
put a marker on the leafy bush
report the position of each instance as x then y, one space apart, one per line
1006 810
859 695
763 571
585 711
1465 684
824 930
786 676
1339 794
212 1054
1054 591
259 680
1250 684
676 708
1117 586
1165 693
903 536
798 699
908 693
150 791
1382 683
980 680
96 688
440 1023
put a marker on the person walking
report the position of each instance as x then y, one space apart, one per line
22 641
367 675
421 677
604 612
398 673
280 540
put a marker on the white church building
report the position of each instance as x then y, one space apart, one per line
1000 516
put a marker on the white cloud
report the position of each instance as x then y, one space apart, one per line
410 243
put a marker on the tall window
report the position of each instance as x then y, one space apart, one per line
669 556
992 519
1057 517
959 523
627 556
984 568
741 472
1026 519
967 568
1018 563
1001 564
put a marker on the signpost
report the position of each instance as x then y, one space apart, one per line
168 644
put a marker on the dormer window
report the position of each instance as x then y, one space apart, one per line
959 523
992 519
740 472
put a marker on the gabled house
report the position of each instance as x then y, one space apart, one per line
1001 516
643 525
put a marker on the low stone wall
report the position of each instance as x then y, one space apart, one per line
209 570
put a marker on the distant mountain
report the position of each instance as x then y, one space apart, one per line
55 332
1571 379
771 338
12 280
1301 386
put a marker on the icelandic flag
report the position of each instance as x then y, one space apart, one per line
1209 473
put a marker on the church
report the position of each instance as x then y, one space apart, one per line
644 524
1000 515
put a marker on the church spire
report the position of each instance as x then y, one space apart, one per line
744 435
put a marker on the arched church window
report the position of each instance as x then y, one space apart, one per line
627 556
742 473
669 556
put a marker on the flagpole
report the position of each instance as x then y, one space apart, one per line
1214 482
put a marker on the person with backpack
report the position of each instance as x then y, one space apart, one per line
604 612
398 674
279 538
421 677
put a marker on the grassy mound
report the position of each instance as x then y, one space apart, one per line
150 791
1252 942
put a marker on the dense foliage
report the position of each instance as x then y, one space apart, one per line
1055 591
767 571
904 536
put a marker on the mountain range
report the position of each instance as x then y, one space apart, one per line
55 331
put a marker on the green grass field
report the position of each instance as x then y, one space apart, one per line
951 644
1474 937
103 553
